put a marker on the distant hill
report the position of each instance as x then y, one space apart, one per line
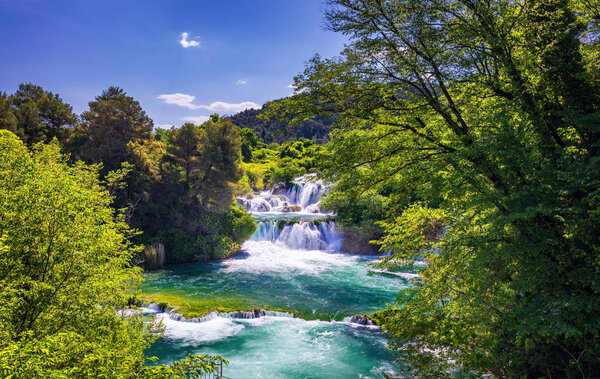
275 131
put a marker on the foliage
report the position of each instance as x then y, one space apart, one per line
414 235
206 236
361 209
249 143
487 112
112 122
65 273
191 366
178 187
8 120
279 131
219 150
36 115
274 164
188 206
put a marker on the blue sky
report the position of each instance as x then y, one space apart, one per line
235 53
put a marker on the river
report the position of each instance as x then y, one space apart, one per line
293 264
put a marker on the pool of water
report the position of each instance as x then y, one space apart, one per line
293 266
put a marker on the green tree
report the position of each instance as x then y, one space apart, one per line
41 115
487 111
249 142
188 206
8 120
112 122
219 150
185 143
65 274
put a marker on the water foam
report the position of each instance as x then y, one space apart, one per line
188 333
303 195
265 256
309 235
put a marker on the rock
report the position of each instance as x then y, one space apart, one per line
362 320
279 189
291 208
314 208
355 244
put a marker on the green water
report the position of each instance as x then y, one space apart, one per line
312 284
286 348
319 287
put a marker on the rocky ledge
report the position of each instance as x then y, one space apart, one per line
355 244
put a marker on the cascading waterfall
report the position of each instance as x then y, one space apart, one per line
292 262
305 193
299 235
302 196
301 200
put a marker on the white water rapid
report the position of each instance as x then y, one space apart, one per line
292 262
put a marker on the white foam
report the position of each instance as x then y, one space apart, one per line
304 192
265 256
308 235
195 333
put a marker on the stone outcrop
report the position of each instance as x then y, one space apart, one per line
291 208
355 244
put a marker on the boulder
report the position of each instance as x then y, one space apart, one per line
291 208
355 244
279 189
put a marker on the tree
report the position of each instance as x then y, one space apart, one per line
8 120
189 206
65 274
219 150
40 115
278 131
487 110
249 143
113 120
184 149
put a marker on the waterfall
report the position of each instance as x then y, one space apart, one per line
244 315
266 231
303 195
291 216
256 313
299 235
291 262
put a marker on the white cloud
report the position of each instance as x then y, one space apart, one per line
163 126
241 82
180 99
221 106
291 86
196 119
188 43
187 101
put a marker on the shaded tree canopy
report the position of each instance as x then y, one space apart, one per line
36 115
113 120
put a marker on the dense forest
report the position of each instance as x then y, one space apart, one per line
175 186
270 130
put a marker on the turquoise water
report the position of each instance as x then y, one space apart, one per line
294 266
278 347
311 283
321 286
